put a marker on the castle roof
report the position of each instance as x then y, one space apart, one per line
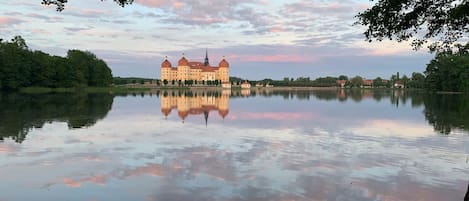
183 62
166 64
224 64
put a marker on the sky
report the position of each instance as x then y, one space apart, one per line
259 38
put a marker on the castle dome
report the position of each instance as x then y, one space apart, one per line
224 64
166 64
183 62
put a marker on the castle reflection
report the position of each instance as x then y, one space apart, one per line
195 103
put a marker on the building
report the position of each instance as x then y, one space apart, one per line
367 83
341 83
196 73
246 85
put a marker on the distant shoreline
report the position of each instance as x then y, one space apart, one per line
146 88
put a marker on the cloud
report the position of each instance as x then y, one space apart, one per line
204 13
76 183
8 21
77 29
277 116
38 16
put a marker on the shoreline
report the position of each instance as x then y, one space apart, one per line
143 88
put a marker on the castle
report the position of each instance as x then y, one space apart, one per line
197 73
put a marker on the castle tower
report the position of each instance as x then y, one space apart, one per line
183 69
166 70
224 71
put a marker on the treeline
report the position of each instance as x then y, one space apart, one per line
22 67
448 71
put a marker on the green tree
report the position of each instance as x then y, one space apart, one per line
442 21
165 82
343 77
378 82
405 80
356 81
448 72
417 80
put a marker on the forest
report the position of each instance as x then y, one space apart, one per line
23 67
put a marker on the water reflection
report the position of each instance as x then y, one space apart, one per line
259 145
195 103
19 113
445 112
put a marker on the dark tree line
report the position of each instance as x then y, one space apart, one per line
22 67
449 71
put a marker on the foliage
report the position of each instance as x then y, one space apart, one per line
442 21
448 72
378 82
417 80
21 67
356 81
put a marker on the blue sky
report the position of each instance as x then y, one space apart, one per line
260 38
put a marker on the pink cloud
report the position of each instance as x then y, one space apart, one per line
8 148
5 21
272 58
97 179
151 169
276 29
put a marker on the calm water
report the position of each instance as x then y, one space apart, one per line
234 146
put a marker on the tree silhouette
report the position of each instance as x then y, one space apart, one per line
444 22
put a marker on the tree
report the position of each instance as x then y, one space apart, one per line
165 82
405 80
343 77
448 72
417 80
378 82
21 67
442 21
356 81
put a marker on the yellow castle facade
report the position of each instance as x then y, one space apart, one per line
197 103
195 71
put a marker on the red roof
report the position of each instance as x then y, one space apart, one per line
183 62
166 64
224 64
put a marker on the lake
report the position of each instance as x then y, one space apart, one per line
235 145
